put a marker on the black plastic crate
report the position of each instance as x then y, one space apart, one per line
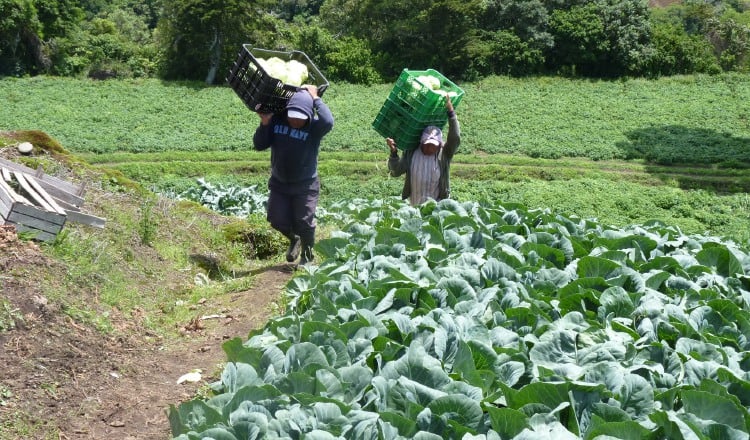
260 91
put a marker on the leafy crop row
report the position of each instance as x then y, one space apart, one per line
462 320
226 199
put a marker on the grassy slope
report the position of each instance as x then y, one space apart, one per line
147 255
140 281
695 118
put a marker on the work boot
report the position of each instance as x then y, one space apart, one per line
307 255
295 244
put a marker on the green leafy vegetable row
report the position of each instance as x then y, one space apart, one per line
468 321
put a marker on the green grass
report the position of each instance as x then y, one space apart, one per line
119 267
699 199
695 119
16 424
142 264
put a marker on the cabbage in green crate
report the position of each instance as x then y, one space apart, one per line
433 84
429 81
289 72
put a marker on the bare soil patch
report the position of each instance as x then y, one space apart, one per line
62 379
72 382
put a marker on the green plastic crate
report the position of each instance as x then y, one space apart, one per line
419 99
395 121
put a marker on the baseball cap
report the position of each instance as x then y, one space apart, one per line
432 135
296 114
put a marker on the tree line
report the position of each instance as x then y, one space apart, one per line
371 41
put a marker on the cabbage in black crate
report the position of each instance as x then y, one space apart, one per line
259 90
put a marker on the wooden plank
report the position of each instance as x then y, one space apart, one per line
6 194
34 223
67 206
39 235
12 196
5 208
86 219
58 188
45 216
47 198
74 214
59 195
51 180
31 193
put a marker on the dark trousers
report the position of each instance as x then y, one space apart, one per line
291 208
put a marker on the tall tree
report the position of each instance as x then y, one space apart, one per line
19 41
511 37
30 30
418 34
527 19
199 37
600 38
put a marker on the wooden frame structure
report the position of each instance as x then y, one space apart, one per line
39 203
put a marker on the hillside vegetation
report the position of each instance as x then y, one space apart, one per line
365 43
694 119
97 325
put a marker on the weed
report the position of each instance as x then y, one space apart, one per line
147 225
18 425
10 318
98 320
262 241
50 388
5 395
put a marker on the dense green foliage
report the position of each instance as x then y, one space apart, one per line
365 42
686 141
474 315
202 37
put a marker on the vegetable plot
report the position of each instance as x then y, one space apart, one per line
463 321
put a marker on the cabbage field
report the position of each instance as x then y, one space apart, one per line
461 320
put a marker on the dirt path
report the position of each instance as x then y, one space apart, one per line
69 382
134 405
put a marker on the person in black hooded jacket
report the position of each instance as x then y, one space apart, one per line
294 138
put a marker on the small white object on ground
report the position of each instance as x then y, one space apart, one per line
193 376
25 147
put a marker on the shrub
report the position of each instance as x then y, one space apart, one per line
676 52
262 241
346 59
